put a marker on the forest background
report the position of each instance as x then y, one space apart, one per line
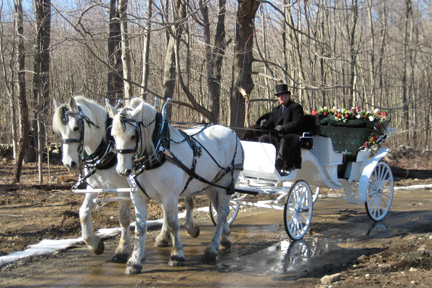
219 60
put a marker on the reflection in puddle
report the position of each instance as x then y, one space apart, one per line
291 257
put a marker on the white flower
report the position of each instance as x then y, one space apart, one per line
371 118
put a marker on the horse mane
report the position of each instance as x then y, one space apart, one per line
99 113
148 114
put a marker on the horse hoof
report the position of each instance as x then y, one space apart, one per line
176 261
225 245
100 249
194 232
120 258
134 269
162 243
209 258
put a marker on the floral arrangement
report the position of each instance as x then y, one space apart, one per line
377 120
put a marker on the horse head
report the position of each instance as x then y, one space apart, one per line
73 122
132 130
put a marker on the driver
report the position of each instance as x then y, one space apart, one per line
286 123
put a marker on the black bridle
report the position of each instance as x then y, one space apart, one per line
80 117
138 133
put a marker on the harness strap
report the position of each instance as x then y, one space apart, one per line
135 182
173 159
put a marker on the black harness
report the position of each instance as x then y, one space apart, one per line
161 140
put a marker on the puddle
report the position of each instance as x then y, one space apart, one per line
298 257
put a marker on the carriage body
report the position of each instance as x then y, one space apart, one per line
358 176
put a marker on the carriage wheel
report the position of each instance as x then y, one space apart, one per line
233 211
379 192
298 210
315 193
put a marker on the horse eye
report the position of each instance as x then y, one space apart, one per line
133 137
75 129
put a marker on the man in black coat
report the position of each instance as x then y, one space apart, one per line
286 120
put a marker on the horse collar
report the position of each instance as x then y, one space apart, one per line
161 142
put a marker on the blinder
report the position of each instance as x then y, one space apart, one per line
80 117
137 126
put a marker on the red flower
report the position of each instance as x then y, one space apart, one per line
325 113
314 112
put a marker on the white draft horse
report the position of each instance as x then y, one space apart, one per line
85 130
202 159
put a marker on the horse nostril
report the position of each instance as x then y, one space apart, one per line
73 164
128 172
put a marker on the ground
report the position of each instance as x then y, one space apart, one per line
30 212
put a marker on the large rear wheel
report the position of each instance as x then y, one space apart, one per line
298 210
379 192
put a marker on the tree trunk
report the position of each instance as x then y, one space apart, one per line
115 74
41 77
353 53
215 58
20 89
372 58
243 59
146 51
405 85
127 78
169 79
9 82
18 161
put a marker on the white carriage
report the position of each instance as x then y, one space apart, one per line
364 180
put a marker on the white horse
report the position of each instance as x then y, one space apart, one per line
85 130
204 159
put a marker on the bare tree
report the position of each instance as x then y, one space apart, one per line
127 78
41 77
7 69
115 74
146 50
173 33
243 59
407 55
20 90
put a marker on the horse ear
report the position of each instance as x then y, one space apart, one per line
135 102
123 112
112 111
72 104
137 110
56 104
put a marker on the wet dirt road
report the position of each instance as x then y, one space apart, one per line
261 254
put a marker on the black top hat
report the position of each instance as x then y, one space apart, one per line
282 89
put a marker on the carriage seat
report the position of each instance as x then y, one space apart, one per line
324 152
347 140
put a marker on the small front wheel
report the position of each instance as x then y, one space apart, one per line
233 211
298 210
379 192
